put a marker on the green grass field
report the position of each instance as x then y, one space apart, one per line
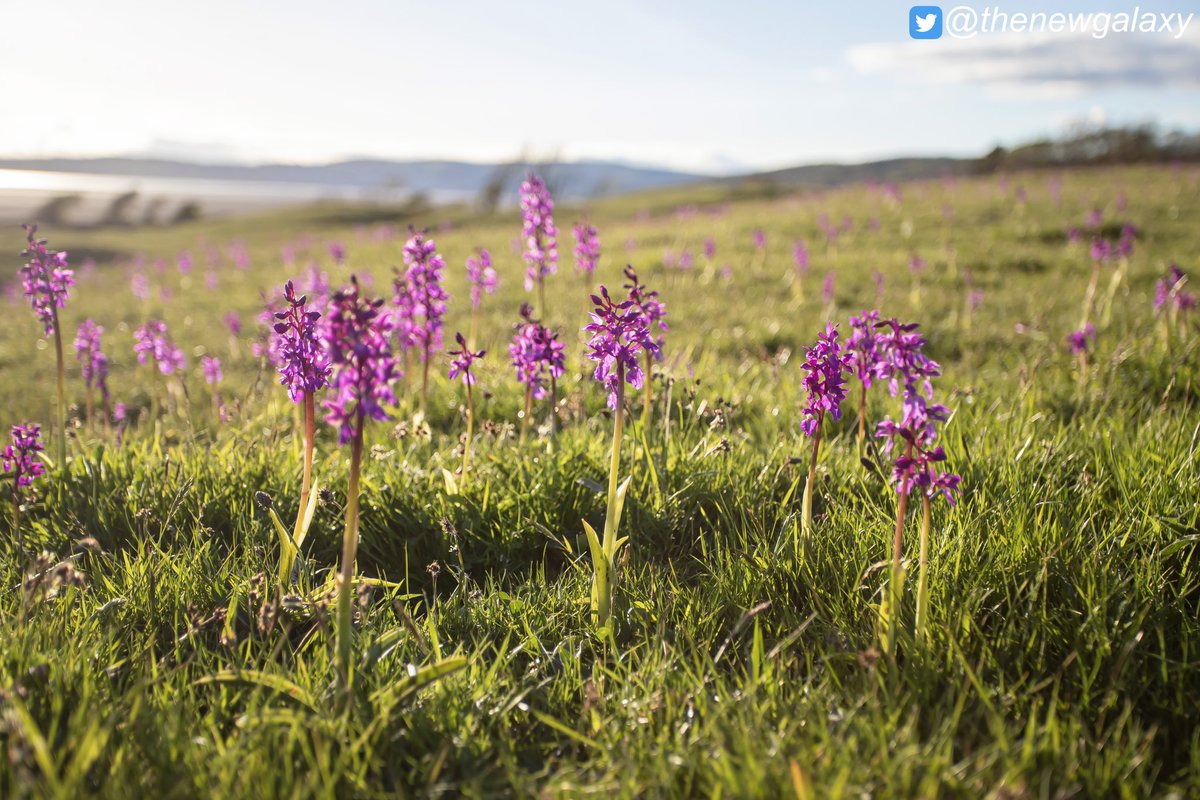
1064 651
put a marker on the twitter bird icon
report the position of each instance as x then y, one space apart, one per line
925 22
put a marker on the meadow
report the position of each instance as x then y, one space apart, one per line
150 644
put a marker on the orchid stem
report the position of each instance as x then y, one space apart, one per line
528 412
470 431
862 418
922 619
306 485
425 380
896 584
345 618
605 588
806 506
648 408
61 387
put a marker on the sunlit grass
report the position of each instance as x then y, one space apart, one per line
1058 657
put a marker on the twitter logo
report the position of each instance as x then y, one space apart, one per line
925 22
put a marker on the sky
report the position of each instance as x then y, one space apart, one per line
703 85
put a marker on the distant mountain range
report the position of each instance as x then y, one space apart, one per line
577 180
570 180
887 170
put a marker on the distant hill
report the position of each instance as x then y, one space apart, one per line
570 180
892 170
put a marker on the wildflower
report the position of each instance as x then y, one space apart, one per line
152 342
337 251
648 304
1079 340
241 256
538 357
233 322
139 286
800 257
460 365
302 363
21 465
827 288
212 370
400 320
20 457
686 261
760 239
541 243
825 387
481 275
1169 292
710 249
916 468
46 279
654 313
904 364
864 359
428 300
587 248
93 364
363 369
1129 234
619 331
184 263
464 358
356 338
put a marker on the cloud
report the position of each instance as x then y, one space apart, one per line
1047 63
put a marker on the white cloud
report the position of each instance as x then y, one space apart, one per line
1042 64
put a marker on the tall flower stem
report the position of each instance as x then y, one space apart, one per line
16 514
614 464
528 412
553 406
806 505
862 417
61 392
922 619
310 424
154 392
896 584
648 407
470 432
604 589
541 285
345 618
425 379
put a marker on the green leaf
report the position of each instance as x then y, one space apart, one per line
451 483
263 680
593 543
287 549
417 678
551 722
306 521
